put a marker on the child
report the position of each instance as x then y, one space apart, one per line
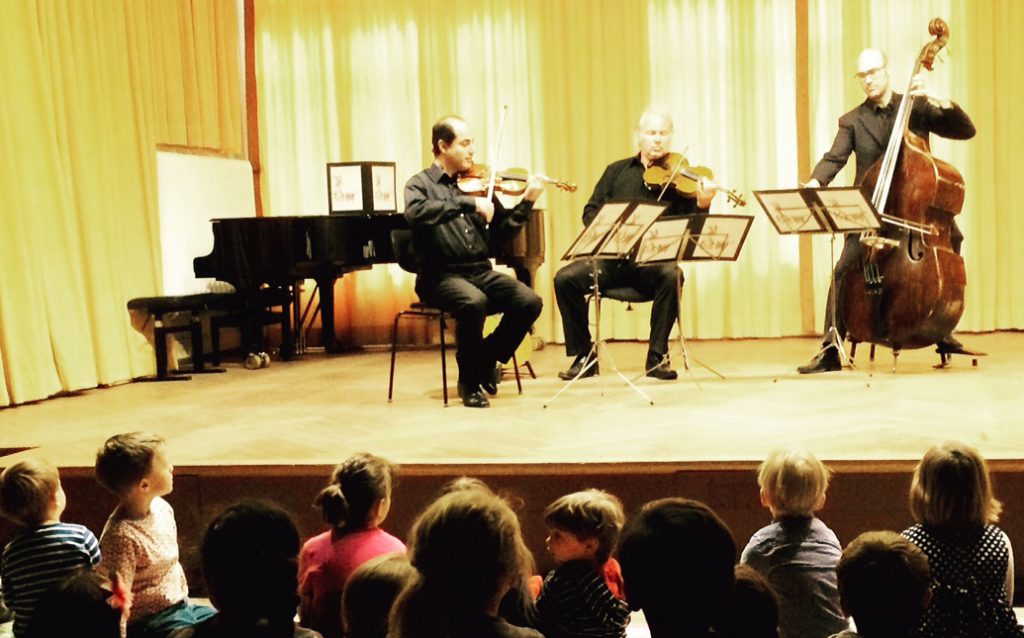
677 560
47 550
883 585
753 608
140 539
370 594
468 551
972 574
83 604
355 504
575 599
797 553
249 561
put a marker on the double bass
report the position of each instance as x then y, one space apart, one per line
909 289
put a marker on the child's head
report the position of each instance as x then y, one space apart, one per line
79 605
951 487
371 591
30 493
468 551
583 526
793 482
250 562
884 584
136 459
677 559
359 495
754 607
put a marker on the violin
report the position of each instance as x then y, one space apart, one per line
685 178
511 182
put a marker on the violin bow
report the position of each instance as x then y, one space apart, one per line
494 154
675 171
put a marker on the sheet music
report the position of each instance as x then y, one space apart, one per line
598 228
662 241
721 237
632 228
848 209
790 214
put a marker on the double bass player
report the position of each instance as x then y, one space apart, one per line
865 132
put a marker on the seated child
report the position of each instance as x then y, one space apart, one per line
371 592
46 551
797 552
250 565
83 604
883 585
140 539
677 561
970 557
575 599
754 608
468 551
354 504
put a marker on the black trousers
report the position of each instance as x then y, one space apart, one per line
574 282
850 258
469 299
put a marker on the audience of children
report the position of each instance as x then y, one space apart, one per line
354 504
677 561
85 603
575 599
753 608
47 550
468 551
884 585
971 560
797 553
370 594
250 564
950 574
140 540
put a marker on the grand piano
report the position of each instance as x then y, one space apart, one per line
255 254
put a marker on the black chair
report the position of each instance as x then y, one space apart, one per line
156 309
401 244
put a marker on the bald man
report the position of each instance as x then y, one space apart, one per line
624 180
865 132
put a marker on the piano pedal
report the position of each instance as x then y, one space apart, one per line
264 360
253 361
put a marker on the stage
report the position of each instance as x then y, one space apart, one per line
276 432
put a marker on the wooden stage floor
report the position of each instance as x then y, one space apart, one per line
318 409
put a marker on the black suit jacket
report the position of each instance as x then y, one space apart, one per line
865 132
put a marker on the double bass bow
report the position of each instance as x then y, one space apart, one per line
909 291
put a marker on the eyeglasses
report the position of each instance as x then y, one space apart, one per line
870 73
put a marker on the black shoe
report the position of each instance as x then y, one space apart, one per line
577 366
826 361
490 385
950 345
657 367
472 397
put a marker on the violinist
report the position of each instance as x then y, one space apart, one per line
864 131
623 179
452 237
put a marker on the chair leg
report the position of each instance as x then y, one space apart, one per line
196 334
394 346
529 368
215 341
160 339
444 359
515 366
853 351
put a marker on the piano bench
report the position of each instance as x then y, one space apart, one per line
155 309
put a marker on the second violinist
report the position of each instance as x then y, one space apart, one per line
452 237
624 179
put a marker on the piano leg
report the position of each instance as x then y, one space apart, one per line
326 285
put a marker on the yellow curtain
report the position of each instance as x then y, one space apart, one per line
78 183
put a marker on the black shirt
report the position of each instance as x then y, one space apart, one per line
624 179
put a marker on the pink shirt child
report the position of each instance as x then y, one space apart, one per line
325 564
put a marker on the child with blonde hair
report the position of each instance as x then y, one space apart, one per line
971 559
468 552
140 539
577 597
47 550
797 553
354 504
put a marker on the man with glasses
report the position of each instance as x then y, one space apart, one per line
865 132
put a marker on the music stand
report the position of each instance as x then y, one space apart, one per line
691 239
613 234
822 210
